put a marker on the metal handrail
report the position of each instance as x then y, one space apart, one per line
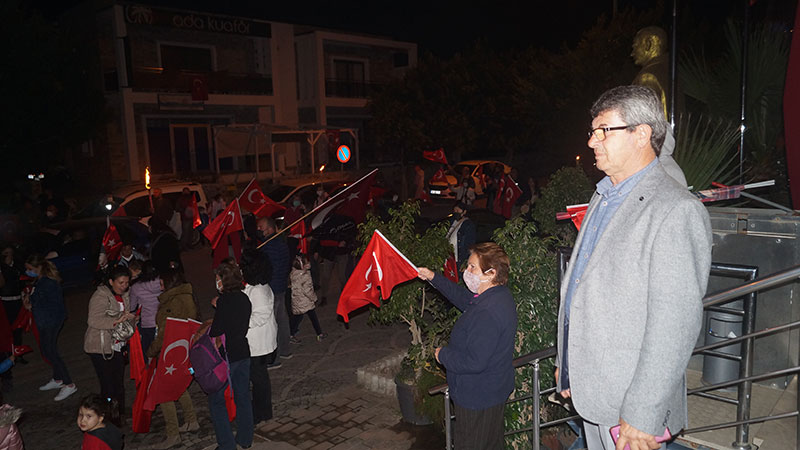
716 298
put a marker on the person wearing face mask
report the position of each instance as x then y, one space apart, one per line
46 302
294 212
108 306
232 318
478 358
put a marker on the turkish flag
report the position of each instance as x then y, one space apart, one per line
140 417
172 376
435 155
254 200
112 242
334 140
507 194
451 269
227 222
199 88
136 357
574 212
298 232
381 265
351 202
439 177
196 222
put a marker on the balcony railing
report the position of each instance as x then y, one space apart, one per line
349 89
156 79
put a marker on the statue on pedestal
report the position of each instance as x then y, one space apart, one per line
650 52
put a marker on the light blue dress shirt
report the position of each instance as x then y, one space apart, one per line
611 198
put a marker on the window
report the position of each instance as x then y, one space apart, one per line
138 207
191 59
348 70
400 59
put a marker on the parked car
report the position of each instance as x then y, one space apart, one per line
439 190
136 200
74 245
307 190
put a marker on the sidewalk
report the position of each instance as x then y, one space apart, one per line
317 403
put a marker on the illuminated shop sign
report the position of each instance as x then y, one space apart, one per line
142 15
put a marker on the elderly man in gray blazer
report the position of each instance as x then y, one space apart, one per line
631 299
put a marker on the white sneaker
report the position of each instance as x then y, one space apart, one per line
65 392
52 384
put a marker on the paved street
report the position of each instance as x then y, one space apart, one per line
316 400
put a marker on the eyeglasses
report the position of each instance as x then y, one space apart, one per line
600 133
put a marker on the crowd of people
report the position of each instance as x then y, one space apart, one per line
643 250
263 295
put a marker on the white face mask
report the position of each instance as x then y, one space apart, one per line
219 285
472 281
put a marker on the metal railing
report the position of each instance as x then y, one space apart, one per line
745 291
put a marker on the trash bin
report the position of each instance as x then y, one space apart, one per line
721 327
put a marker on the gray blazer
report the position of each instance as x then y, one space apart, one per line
637 311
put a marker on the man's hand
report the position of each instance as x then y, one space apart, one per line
637 440
565 393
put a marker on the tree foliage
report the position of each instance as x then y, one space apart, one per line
527 107
713 84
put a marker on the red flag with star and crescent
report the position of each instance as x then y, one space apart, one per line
439 177
227 222
435 155
381 266
451 268
351 202
172 377
112 242
507 194
254 200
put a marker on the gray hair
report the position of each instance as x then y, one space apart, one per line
636 105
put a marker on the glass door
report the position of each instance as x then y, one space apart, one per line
191 148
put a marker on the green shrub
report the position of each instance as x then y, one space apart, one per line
568 186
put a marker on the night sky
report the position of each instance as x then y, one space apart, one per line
445 27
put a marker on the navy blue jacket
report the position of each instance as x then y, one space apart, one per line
277 251
47 303
479 356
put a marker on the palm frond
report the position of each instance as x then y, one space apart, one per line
706 150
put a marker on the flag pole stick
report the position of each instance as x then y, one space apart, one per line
395 249
324 204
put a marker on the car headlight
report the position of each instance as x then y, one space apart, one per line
436 192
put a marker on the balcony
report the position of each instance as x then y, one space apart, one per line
156 79
349 89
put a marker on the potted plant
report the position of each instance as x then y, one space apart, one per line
415 303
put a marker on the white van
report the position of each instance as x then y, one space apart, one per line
136 199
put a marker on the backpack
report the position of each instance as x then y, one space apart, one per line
209 369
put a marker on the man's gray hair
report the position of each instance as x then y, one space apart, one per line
636 105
